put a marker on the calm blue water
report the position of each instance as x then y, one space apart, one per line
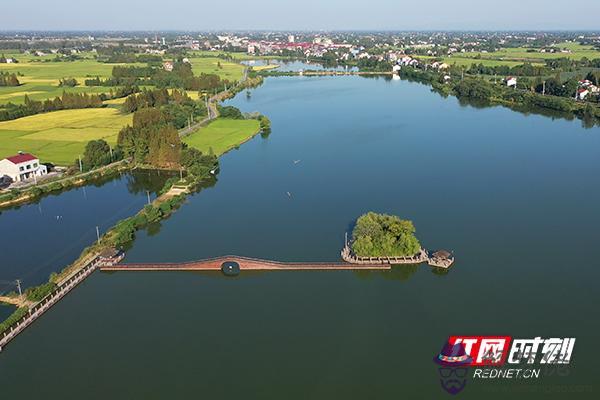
38 239
514 197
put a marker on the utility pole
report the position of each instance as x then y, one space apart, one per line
98 234
543 88
18 282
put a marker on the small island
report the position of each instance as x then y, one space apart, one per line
383 235
389 239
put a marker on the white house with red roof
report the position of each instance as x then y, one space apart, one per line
511 81
21 167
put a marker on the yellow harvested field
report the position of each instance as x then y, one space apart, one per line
88 117
73 134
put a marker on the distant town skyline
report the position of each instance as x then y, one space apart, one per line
306 15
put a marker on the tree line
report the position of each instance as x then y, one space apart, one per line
181 77
179 109
154 140
7 79
151 140
65 102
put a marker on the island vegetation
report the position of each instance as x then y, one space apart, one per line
383 235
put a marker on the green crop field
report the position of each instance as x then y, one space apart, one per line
463 61
521 54
238 56
210 65
39 80
223 135
60 137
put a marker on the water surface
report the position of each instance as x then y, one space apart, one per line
41 238
513 195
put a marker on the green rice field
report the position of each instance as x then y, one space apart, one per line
60 137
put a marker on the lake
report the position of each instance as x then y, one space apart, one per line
41 238
513 195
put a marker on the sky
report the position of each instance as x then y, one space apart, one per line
202 15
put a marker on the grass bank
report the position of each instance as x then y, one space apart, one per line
223 135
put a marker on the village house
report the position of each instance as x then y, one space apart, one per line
408 61
439 65
582 93
587 84
21 167
511 81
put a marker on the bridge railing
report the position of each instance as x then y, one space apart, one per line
349 256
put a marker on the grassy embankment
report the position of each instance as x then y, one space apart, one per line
223 135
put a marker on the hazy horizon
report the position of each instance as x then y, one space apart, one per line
309 15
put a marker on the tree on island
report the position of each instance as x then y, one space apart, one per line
382 235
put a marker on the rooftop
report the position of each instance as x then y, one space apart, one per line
21 158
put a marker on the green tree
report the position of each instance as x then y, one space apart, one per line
96 154
381 235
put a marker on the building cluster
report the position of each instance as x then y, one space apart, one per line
587 88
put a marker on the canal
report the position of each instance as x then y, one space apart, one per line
512 194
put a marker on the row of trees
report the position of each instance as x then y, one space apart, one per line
179 109
153 98
181 77
123 75
65 102
7 79
67 82
526 69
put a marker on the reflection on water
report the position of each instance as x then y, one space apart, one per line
44 237
6 310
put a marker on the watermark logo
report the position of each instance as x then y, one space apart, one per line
453 363
499 357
